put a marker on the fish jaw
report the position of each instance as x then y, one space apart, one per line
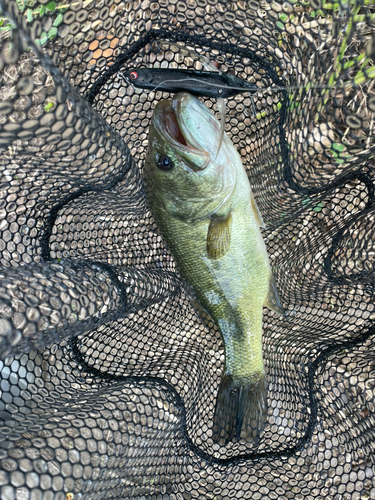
168 127
199 127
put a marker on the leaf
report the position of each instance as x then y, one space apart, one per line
338 146
48 107
52 33
306 201
318 208
43 38
8 27
40 10
58 20
20 5
29 15
51 7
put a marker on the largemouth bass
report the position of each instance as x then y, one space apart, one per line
204 207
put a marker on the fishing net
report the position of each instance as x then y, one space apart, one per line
108 375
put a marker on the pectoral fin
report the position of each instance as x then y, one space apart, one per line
218 236
273 301
258 215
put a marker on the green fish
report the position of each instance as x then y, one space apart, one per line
201 200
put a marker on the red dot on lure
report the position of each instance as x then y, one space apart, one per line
133 75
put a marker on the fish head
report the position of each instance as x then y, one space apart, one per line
184 172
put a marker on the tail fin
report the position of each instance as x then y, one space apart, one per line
241 409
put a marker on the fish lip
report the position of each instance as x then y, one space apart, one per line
180 104
185 151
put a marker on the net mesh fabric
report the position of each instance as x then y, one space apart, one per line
108 375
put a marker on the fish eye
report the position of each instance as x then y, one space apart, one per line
133 75
164 163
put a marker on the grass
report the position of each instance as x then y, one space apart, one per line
345 33
339 38
27 8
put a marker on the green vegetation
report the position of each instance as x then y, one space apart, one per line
27 8
48 107
42 10
327 16
338 152
263 114
307 202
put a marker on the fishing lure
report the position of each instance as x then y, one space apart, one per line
198 83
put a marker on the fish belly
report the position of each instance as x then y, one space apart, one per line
233 289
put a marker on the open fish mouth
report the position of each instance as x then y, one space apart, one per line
176 123
195 121
173 128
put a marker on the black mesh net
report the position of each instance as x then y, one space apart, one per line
108 375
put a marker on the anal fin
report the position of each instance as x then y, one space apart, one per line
273 301
218 236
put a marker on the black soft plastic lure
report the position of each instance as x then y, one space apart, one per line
198 83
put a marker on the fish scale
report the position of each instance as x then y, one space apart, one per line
219 250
